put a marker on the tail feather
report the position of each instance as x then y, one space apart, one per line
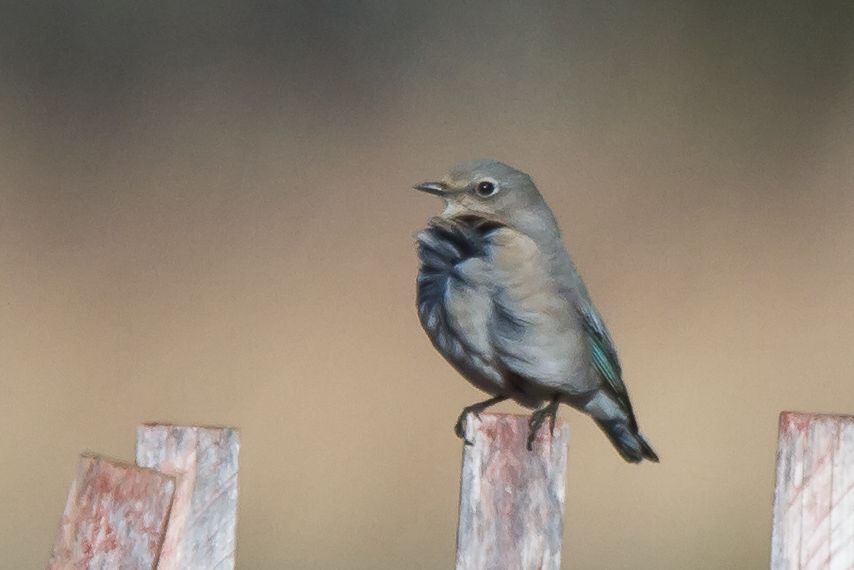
631 445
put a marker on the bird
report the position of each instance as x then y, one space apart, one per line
500 298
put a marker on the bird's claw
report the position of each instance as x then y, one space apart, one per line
460 427
538 418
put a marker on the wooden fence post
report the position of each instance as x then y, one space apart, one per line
115 517
814 496
202 525
511 499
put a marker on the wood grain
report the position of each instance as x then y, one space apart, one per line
511 499
115 517
202 526
814 496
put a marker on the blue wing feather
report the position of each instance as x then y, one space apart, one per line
604 357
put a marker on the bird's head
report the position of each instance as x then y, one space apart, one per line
493 190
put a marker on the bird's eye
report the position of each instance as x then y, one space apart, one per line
486 189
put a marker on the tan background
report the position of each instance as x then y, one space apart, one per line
205 217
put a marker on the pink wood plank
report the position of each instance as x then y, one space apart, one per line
115 517
511 499
814 496
201 533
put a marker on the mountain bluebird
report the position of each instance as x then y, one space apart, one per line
502 301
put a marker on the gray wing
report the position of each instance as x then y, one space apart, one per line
536 332
541 335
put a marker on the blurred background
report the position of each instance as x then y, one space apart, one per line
206 218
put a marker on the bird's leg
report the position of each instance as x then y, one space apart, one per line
537 419
460 428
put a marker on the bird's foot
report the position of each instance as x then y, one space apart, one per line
539 417
460 427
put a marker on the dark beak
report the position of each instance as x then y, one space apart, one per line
437 188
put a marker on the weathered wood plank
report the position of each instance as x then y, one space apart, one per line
202 525
842 526
511 499
115 517
814 495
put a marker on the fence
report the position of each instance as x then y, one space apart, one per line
177 507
